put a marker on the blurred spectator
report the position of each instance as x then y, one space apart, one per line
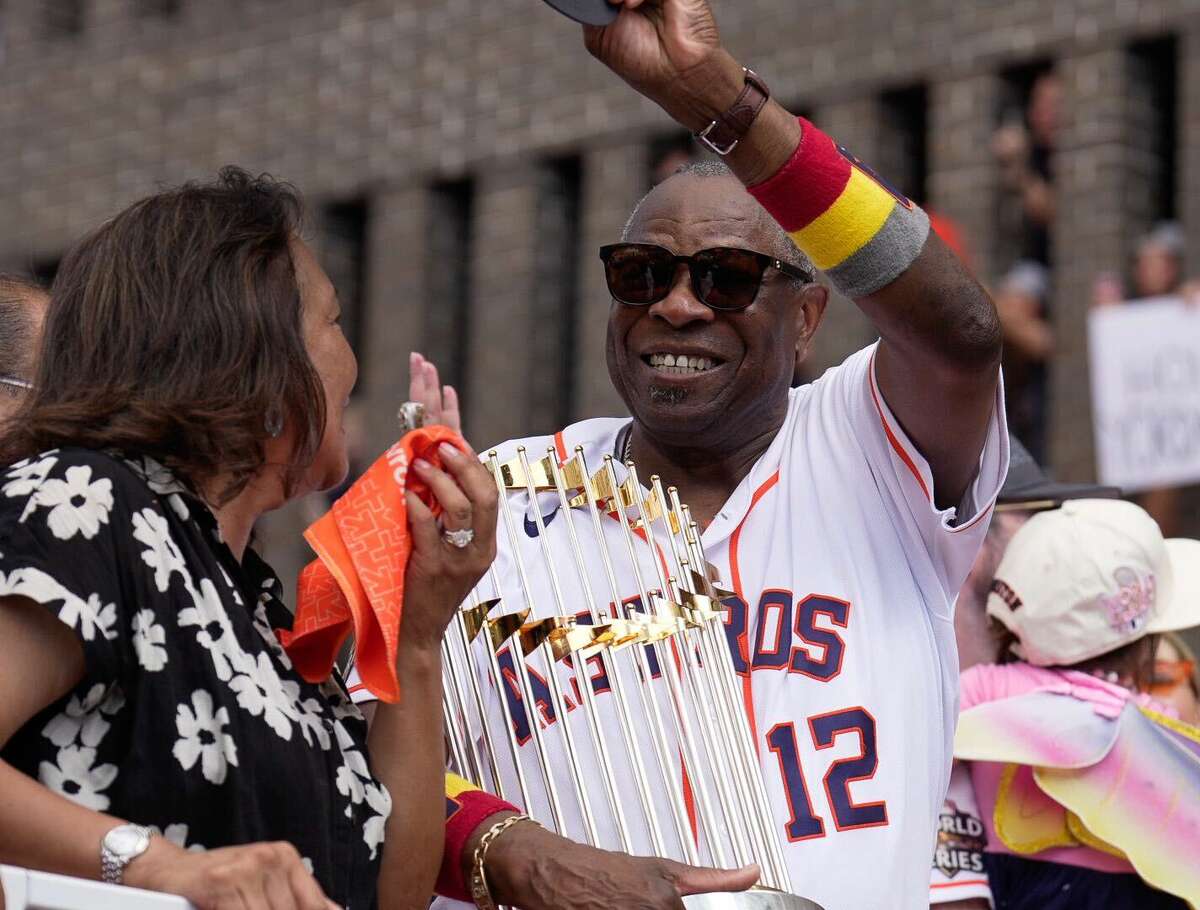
1027 490
1024 148
669 156
1157 272
1176 679
1022 301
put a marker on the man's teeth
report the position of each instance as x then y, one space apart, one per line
670 363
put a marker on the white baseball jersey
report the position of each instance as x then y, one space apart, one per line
842 633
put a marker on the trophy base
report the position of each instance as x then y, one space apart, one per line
762 899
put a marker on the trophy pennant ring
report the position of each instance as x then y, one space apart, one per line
588 678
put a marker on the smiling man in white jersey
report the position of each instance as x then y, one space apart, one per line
845 514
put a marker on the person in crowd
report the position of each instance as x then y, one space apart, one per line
147 708
1177 677
1028 489
850 495
1024 148
22 309
956 879
1022 300
1077 603
1158 271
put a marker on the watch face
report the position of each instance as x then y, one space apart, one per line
125 840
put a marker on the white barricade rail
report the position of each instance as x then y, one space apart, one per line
25 889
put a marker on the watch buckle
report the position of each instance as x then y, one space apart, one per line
702 138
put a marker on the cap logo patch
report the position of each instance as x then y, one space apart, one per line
1129 608
1006 594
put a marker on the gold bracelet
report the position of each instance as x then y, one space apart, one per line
480 892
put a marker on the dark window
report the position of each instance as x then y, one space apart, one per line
1154 132
62 18
556 289
342 246
162 9
904 150
1027 103
448 284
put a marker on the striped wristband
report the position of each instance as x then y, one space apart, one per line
858 230
466 809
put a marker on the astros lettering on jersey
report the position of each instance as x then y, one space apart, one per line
841 630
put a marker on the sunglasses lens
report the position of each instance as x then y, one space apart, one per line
639 275
728 279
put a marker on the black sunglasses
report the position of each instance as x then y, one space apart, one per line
723 278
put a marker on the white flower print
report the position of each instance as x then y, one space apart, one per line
148 641
84 718
78 505
202 737
375 827
263 626
27 476
88 616
354 782
177 834
162 553
311 723
260 691
74 777
215 631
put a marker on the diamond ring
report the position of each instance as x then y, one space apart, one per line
461 538
411 416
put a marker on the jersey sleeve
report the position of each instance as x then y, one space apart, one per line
359 693
958 872
950 538
72 526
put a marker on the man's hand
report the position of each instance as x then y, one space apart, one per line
533 869
670 51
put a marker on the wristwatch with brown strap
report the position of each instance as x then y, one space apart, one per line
724 133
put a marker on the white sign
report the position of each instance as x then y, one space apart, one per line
1145 367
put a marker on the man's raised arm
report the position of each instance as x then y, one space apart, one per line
938 363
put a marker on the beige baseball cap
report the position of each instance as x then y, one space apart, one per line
1091 576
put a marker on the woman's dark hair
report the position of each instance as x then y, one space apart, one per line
173 331
1133 661
16 323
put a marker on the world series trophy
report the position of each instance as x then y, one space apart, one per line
613 719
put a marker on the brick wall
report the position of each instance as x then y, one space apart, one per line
380 102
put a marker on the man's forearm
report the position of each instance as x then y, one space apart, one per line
940 330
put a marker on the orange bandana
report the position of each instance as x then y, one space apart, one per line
357 580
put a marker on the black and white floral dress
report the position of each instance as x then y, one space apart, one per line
190 717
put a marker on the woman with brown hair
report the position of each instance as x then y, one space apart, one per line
192 377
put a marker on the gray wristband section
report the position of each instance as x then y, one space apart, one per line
886 255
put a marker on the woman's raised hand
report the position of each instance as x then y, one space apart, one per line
424 387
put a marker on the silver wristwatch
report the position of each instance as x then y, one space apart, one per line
121 846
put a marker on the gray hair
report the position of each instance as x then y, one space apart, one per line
784 247
17 323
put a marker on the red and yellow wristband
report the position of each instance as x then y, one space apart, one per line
860 232
467 807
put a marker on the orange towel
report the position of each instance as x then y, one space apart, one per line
357 580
